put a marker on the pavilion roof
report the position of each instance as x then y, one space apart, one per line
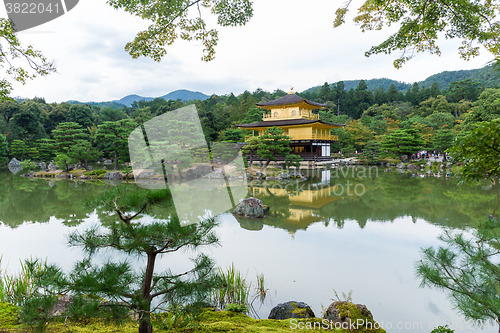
286 122
291 98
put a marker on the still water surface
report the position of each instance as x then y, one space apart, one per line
356 230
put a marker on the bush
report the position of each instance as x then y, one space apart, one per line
95 172
442 329
240 308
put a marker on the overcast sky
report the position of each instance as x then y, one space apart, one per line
287 43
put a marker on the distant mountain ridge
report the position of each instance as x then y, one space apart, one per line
486 76
182 94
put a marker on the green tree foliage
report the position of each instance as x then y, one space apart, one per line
26 124
4 150
273 143
110 114
467 90
232 135
420 24
36 63
442 140
403 142
81 114
19 149
117 281
372 152
115 134
486 108
479 150
176 21
360 133
70 143
251 148
254 115
8 109
468 269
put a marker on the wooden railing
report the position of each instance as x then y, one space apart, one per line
307 137
269 116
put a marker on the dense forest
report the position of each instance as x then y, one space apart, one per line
430 116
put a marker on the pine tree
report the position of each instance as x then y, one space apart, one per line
403 142
468 269
273 143
117 281
116 133
69 144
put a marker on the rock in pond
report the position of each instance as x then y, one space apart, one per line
14 163
113 176
291 309
250 207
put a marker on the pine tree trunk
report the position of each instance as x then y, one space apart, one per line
145 325
116 157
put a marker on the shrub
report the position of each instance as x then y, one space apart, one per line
95 172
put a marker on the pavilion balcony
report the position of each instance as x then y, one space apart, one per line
268 116
306 137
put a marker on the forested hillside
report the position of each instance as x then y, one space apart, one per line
430 116
486 76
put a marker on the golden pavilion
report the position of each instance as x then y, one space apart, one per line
310 137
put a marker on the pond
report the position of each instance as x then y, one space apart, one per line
353 229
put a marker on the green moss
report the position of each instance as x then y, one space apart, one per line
8 315
301 312
350 310
95 172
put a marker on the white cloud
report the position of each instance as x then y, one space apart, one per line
286 43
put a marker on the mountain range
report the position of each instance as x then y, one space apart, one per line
486 76
182 94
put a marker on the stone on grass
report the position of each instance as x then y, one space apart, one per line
291 309
342 313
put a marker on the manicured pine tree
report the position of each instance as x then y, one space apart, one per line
116 133
403 142
273 143
118 281
443 140
70 141
19 149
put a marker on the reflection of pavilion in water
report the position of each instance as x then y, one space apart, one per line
294 205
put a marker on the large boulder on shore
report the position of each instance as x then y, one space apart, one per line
14 163
342 313
250 207
291 309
